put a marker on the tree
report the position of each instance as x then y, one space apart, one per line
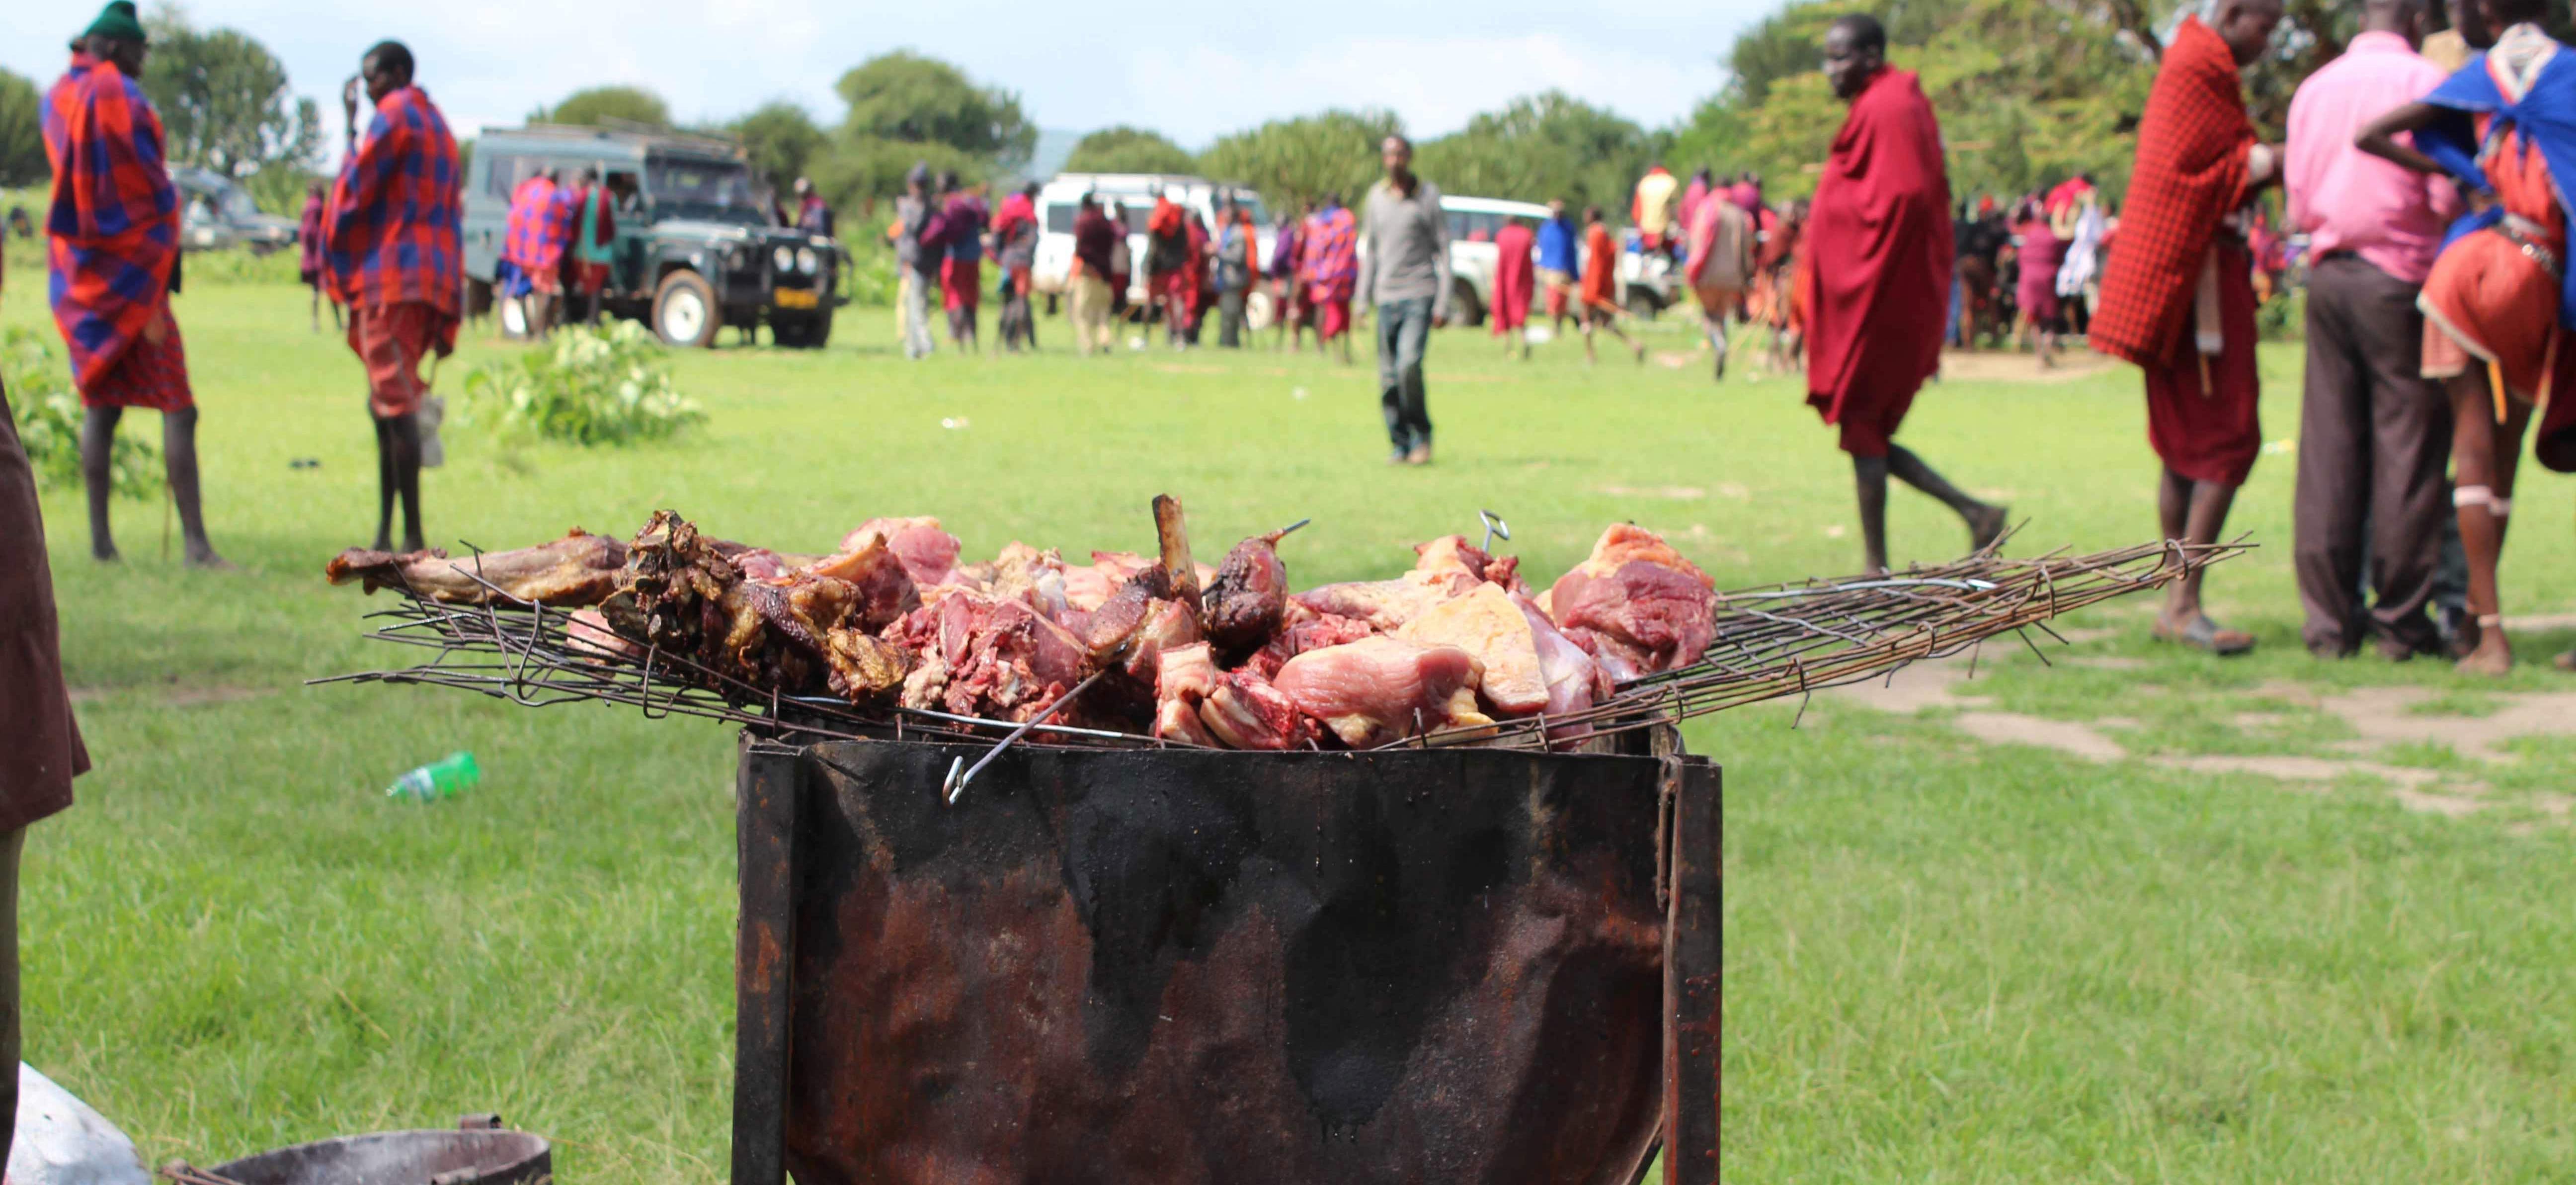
1543 146
2027 91
223 99
599 105
22 133
907 98
1293 161
780 139
1125 149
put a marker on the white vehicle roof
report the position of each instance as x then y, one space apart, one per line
1479 205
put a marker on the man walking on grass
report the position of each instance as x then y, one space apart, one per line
394 252
113 248
1404 274
2374 434
2178 291
1095 239
1877 279
920 247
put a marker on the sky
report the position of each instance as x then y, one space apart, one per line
1078 66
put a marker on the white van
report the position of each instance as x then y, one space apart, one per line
1473 222
1059 200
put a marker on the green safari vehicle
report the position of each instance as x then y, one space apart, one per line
694 250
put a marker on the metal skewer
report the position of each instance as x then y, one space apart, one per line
1494 525
955 785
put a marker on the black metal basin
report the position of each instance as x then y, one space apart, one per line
403 1158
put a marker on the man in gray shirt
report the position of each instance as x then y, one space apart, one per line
918 247
1404 274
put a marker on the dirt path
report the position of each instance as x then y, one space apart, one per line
2380 718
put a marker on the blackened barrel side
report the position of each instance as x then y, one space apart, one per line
1175 966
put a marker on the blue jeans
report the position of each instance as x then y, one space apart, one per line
1403 330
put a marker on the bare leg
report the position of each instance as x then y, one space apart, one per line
2484 455
317 308
98 445
1985 520
179 455
2194 512
1869 478
398 476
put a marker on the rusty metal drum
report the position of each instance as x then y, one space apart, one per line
1187 965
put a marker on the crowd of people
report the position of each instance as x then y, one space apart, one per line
2433 344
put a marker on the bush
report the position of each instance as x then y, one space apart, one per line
240 265
591 386
869 280
49 422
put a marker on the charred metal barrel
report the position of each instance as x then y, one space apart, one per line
1187 965
480 1152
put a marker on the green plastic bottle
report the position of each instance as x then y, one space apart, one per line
446 777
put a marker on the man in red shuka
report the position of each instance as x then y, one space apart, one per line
112 246
2178 296
1878 278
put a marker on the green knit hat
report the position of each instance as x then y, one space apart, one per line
117 20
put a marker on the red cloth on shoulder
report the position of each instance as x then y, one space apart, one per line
2192 147
1877 284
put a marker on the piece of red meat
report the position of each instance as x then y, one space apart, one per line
1250 592
929 554
1636 605
1379 689
1246 712
1310 631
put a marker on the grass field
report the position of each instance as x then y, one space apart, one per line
1949 960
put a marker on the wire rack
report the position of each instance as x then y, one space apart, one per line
1773 642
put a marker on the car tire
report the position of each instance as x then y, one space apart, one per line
1642 304
1259 309
478 299
685 312
801 331
1464 307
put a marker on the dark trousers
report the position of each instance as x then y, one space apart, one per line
2374 444
1403 330
1229 319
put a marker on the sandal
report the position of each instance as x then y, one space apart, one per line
2204 634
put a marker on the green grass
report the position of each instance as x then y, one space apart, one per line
1950 962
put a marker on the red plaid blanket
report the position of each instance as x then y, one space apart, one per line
113 229
394 229
2192 145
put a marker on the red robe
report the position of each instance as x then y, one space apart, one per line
2194 142
1877 284
1514 277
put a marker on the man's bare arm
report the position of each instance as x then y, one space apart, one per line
2380 138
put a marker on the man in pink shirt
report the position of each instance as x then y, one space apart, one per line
2374 434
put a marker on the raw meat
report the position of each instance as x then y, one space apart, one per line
1088 588
1387 604
929 554
1182 681
1574 681
979 656
1485 623
1307 630
1378 689
1245 711
578 569
1636 605
1247 596
885 588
